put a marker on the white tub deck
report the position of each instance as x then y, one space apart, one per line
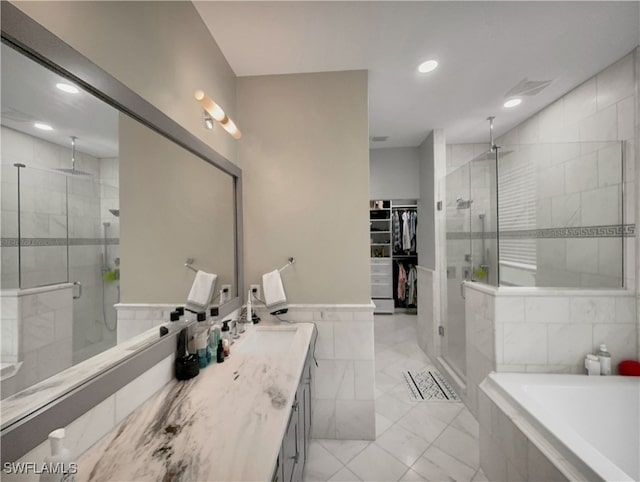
593 421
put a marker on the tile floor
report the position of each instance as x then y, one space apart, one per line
423 441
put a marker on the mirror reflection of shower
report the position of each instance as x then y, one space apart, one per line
463 203
108 274
484 257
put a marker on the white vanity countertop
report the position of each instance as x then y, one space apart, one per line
226 424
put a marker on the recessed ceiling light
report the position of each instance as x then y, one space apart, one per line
41 126
68 88
512 103
427 66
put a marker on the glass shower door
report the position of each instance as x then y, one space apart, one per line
459 266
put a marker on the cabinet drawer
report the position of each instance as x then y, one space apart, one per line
381 290
381 261
377 269
377 279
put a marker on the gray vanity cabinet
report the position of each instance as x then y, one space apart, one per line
295 444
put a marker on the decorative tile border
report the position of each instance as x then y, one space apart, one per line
606 231
36 242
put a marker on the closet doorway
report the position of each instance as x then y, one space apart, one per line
394 257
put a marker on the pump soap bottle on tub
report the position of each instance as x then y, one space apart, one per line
58 467
605 360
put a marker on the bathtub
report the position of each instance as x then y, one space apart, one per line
588 428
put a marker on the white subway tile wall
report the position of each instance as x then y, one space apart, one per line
38 331
582 181
343 382
44 215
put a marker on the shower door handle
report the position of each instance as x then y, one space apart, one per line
79 285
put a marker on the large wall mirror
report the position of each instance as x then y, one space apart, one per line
103 200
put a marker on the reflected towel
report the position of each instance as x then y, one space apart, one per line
201 291
274 296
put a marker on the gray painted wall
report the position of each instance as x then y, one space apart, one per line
163 51
394 173
305 156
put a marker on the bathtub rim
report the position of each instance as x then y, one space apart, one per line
571 462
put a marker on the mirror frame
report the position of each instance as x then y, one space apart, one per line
31 39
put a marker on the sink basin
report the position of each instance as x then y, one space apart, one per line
268 341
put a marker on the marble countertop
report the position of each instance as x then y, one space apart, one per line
226 424
23 403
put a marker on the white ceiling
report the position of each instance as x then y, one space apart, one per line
484 50
29 95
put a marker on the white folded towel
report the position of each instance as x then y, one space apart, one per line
201 291
273 290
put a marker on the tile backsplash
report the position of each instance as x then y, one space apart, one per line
344 386
538 330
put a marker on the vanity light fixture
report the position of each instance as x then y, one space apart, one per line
208 120
42 127
513 102
427 66
68 88
217 113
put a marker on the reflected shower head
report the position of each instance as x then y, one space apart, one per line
73 171
463 203
115 212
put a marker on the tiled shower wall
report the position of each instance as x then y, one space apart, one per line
537 330
580 176
36 331
44 225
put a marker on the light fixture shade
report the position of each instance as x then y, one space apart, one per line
217 113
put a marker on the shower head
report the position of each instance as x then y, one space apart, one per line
73 171
115 212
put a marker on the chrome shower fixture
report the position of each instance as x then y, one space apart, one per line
73 171
115 212
463 203
491 144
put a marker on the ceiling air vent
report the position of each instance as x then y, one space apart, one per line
528 87
379 138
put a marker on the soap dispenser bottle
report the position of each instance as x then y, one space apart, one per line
58 467
605 360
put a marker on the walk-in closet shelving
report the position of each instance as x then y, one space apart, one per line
381 267
404 255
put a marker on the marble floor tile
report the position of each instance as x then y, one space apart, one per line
345 450
438 440
376 464
382 424
465 422
426 426
391 407
406 446
412 476
321 465
384 382
460 445
436 465
345 475
480 477
445 411
401 392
